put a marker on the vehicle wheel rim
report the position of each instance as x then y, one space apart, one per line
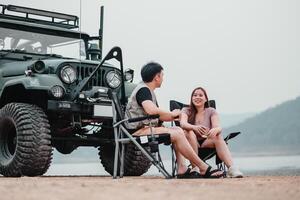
8 139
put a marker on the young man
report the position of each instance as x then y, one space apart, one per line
143 102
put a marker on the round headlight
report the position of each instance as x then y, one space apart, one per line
113 79
57 91
68 74
1 44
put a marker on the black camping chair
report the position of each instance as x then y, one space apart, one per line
148 144
204 153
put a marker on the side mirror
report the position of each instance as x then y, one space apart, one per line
128 75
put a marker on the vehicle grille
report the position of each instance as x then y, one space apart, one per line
84 71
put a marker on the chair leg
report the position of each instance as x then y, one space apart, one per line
224 168
116 153
174 163
122 158
147 154
160 160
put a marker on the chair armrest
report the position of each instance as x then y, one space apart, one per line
137 119
231 135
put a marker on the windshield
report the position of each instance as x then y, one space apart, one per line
11 39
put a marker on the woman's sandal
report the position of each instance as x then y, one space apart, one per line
210 173
186 174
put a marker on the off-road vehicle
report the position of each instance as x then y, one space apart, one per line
55 92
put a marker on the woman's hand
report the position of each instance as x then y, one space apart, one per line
214 132
201 130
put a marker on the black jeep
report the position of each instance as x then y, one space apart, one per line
55 91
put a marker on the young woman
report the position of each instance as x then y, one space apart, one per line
202 129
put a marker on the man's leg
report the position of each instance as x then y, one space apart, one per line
192 139
181 166
160 130
181 144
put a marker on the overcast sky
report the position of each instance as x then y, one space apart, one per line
245 53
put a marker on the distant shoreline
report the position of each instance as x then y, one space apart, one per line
235 154
265 154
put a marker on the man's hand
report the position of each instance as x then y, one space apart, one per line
176 113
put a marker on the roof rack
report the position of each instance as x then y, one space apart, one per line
40 16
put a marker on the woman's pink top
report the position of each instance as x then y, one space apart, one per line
208 113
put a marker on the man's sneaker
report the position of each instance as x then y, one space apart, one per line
234 172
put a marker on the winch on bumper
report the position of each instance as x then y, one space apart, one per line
92 104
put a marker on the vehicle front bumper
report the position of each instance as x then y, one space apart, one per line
91 110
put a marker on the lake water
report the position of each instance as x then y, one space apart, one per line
250 165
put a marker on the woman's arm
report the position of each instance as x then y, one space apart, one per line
200 130
215 124
184 122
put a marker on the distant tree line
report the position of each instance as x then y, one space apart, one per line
276 129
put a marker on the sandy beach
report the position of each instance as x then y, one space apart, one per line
148 187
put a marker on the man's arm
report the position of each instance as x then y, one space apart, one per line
151 109
144 99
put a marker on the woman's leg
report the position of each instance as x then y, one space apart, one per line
217 141
192 139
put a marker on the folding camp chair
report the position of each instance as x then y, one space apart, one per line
148 144
204 153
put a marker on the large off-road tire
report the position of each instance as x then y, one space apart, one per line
25 140
135 162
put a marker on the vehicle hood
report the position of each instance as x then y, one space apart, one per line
17 68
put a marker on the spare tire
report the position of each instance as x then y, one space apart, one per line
25 140
135 162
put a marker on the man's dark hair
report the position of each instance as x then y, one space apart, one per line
149 71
